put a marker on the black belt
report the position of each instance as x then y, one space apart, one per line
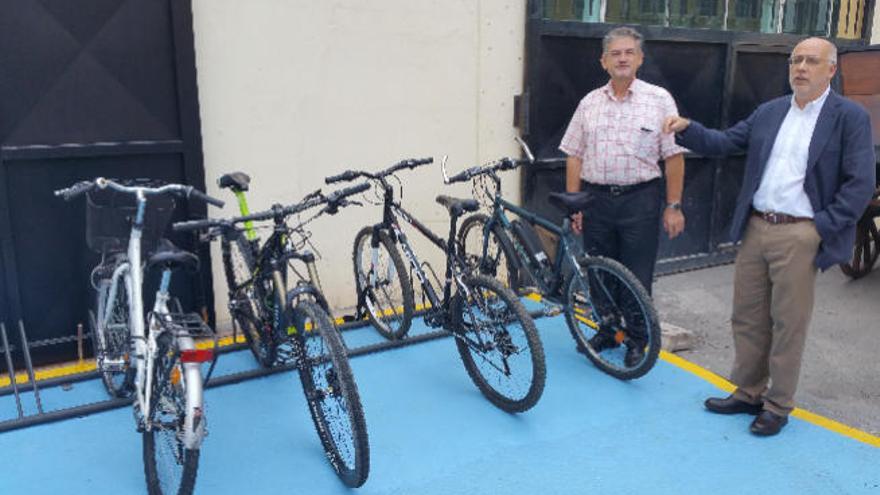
616 190
778 218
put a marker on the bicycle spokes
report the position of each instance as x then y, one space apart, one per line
492 333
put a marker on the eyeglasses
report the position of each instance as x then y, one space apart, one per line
811 60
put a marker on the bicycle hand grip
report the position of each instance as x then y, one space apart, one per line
464 175
344 176
193 225
348 191
207 199
75 190
416 162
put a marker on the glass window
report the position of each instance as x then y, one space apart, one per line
840 18
805 17
753 15
647 12
697 14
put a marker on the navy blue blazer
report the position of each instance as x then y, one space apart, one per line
840 177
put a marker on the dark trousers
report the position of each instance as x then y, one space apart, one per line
625 226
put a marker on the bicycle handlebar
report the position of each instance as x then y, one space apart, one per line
75 190
85 186
193 192
506 163
333 200
349 175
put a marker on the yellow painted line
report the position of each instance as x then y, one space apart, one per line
836 426
698 370
90 365
803 414
725 385
48 373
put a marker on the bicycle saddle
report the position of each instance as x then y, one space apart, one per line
571 202
458 206
237 181
172 256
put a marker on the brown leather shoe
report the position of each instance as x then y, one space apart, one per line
731 405
768 423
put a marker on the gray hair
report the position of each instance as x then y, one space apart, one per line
621 32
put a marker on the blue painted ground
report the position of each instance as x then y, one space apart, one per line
431 432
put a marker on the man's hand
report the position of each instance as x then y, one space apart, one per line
673 222
675 123
577 222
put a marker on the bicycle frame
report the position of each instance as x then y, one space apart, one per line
275 252
130 272
391 212
568 249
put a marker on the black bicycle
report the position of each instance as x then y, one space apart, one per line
495 336
292 327
608 311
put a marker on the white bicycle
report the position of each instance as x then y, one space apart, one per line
155 357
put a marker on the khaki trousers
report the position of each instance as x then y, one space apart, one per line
772 305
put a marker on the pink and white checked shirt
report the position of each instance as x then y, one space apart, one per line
621 141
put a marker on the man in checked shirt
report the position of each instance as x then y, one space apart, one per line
613 143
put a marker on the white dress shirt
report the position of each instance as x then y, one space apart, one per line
782 186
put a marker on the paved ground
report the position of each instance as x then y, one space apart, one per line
432 433
840 372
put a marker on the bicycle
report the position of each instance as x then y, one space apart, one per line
608 311
292 328
495 336
159 362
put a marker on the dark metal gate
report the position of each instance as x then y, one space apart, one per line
87 88
716 77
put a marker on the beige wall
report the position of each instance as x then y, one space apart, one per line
875 27
293 90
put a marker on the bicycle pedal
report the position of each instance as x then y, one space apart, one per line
552 309
113 367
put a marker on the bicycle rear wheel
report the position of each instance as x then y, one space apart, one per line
114 355
608 312
501 261
252 303
381 278
169 466
498 344
331 393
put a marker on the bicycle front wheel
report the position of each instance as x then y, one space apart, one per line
331 393
383 284
612 318
252 302
113 355
498 344
170 467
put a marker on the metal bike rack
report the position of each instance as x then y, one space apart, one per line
42 417
29 368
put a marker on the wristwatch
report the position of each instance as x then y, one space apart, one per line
675 206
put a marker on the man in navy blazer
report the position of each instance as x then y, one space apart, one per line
810 172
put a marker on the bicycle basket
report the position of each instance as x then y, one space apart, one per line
110 214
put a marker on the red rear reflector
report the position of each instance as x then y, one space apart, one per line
196 355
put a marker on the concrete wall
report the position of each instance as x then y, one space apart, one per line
293 90
875 27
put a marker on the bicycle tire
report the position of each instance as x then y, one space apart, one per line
169 467
117 342
247 299
389 311
503 263
612 300
525 345
331 393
